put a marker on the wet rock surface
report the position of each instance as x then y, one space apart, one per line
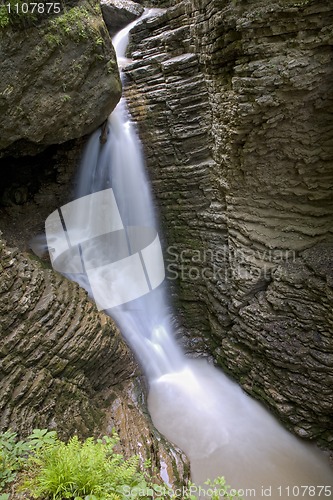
233 105
127 413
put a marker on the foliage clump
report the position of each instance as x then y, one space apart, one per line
44 467
81 470
14 453
74 23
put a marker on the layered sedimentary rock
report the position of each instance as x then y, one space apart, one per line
234 105
65 366
59 78
127 413
57 351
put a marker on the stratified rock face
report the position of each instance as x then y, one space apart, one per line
57 352
234 105
158 3
64 366
59 79
128 415
118 13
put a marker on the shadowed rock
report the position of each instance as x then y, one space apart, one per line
118 13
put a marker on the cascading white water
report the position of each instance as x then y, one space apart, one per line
223 431
119 164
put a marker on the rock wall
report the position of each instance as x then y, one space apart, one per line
234 105
65 366
57 351
59 78
32 187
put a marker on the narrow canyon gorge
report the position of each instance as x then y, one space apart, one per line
233 103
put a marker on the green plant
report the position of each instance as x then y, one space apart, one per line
216 489
89 470
111 66
41 437
12 454
4 19
77 24
74 22
220 488
53 40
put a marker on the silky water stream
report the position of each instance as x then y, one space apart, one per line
107 240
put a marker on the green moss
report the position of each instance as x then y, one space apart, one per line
111 66
73 23
53 40
78 23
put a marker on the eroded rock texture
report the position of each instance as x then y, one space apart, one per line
127 413
59 79
57 351
65 366
234 104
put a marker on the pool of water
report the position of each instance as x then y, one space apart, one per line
226 433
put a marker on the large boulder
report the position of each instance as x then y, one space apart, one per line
118 13
59 79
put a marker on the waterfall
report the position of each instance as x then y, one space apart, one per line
107 240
